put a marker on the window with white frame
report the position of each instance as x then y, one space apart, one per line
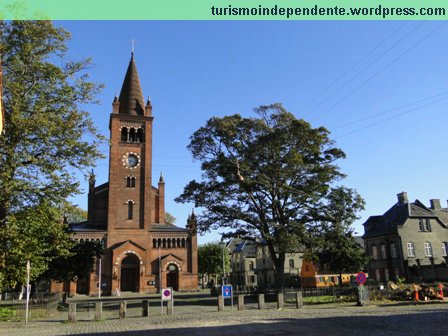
428 249
386 274
393 250
374 252
411 249
444 249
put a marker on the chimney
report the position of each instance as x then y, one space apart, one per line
435 204
402 197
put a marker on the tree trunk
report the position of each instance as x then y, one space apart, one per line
279 264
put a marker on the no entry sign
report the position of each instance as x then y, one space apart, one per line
361 278
167 294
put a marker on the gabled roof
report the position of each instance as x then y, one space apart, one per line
130 242
131 94
397 215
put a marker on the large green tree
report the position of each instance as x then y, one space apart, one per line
47 137
79 263
268 176
336 245
211 259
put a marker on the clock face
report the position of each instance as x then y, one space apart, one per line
132 160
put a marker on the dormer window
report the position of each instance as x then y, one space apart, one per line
420 225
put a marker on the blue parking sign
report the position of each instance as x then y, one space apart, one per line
227 291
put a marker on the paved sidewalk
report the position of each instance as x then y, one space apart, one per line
334 319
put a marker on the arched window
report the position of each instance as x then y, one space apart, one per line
128 181
169 243
178 243
159 243
130 209
140 135
183 242
124 134
132 135
164 243
133 182
154 243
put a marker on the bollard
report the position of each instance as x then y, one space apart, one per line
299 300
98 310
72 312
280 300
122 312
220 303
416 298
145 308
240 302
170 307
261 304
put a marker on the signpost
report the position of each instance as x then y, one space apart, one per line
363 292
227 293
167 295
361 278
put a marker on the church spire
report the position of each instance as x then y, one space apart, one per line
131 96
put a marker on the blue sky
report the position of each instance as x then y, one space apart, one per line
379 87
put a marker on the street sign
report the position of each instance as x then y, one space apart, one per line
361 278
167 294
227 291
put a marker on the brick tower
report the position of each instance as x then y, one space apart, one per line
143 252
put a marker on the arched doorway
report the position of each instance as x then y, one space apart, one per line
130 268
172 277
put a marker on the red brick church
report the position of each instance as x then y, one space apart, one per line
127 213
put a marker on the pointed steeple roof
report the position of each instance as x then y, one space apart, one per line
131 96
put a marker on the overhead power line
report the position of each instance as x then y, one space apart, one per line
351 68
396 59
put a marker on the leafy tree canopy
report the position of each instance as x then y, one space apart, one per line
169 218
78 264
47 137
271 176
210 257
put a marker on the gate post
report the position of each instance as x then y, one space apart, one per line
145 308
122 311
299 300
220 303
98 310
240 301
72 312
280 300
261 303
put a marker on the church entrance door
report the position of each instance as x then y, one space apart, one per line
130 267
172 277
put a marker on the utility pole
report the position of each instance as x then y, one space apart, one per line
28 270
